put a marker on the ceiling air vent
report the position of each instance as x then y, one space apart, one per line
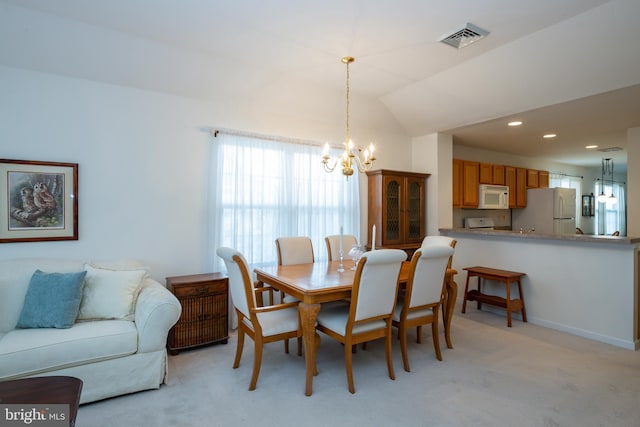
465 36
609 149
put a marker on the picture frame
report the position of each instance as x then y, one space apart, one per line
588 202
38 201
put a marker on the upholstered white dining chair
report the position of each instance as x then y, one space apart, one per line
369 313
333 245
294 250
440 241
262 324
423 297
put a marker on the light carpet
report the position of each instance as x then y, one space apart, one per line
526 375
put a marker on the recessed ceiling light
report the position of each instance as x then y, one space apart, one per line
515 123
588 147
549 135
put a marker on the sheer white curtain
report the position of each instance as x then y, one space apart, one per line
262 189
567 181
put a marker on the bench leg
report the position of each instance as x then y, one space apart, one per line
464 299
508 284
524 311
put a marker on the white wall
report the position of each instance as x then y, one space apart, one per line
143 162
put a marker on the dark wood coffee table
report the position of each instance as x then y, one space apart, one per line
44 390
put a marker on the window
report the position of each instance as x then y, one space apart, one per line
262 189
611 215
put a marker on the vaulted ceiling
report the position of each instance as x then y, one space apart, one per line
570 67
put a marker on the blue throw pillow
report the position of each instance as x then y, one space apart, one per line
52 300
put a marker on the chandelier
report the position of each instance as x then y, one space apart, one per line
351 155
607 169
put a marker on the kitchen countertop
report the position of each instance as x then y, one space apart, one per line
621 240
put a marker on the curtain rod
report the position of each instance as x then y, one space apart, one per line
608 180
566 174
215 132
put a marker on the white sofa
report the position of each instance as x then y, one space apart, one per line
111 357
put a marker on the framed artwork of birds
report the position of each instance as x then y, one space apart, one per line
38 201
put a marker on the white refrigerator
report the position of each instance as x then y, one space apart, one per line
549 210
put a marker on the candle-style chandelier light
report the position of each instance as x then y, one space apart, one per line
351 155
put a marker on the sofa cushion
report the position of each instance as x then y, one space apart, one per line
31 351
15 275
110 294
52 300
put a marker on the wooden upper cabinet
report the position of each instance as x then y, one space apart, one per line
521 188
397 206
498 177
470 182
486 173
532 178
457 183
510 181
543 179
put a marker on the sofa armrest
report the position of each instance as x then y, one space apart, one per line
156 311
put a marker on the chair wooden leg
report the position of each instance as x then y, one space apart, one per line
402 332
239 347
387 341
257 361
434 332
299 346
419 334
349 368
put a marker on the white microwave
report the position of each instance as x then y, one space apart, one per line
493 197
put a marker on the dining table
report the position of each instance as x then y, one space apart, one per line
322 282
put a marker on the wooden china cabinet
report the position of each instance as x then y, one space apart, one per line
396 206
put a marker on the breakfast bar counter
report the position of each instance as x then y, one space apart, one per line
581 284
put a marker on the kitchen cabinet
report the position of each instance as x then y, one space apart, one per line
498 177
457 183
466 178
396 206
521 188
510 181
486 173
543 179
532 178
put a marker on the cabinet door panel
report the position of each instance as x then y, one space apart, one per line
470 175
414 210
391 205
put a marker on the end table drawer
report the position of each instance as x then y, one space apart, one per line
199 289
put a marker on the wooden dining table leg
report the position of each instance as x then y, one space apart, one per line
308 316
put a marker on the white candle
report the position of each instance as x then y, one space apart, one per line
373 238
340 240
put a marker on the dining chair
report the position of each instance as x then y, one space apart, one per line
262 324
333 245
294 250
444 241
368 314
423 297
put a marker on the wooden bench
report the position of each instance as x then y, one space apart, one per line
504 276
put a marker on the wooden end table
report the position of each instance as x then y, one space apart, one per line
44 391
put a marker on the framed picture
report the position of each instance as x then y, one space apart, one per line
38 201
587 205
